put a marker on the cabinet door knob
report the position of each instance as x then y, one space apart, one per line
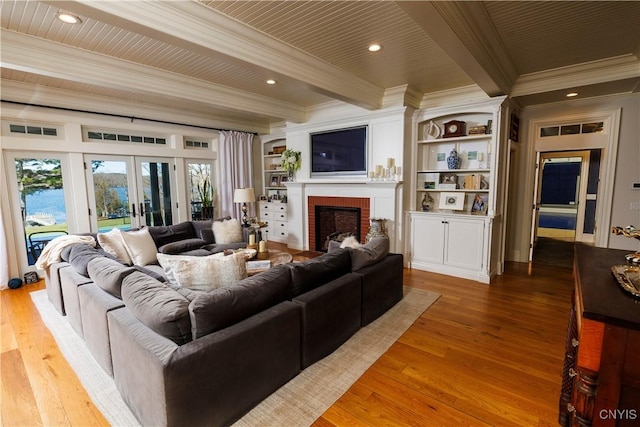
571 408
574 342
572 373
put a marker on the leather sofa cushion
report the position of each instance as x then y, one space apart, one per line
108 274
79 256
159 307
181 246
162 235
369 253
223 307
318 271
365 255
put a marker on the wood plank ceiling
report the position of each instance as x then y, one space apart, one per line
207 59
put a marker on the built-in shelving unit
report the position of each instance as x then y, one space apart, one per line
274 175
273 210
455 225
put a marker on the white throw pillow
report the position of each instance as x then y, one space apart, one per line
227 231
140 246
113 244
204 273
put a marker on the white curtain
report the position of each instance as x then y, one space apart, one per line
236 170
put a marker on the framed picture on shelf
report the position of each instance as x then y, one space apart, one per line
275 181
449 178
283 179
479 204
452 201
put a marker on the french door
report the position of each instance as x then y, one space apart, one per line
130 192
42 209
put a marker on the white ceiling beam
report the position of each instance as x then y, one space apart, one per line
38 56
464 31
31 94
589 73
198 28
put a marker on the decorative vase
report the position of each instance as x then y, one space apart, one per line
290 175
427 201
453 161
376 229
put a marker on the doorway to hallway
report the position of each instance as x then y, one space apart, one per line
565 204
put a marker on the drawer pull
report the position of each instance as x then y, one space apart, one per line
574 342
572 373
571 408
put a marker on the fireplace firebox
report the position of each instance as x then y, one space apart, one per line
335 223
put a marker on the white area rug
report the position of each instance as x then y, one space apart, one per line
298 403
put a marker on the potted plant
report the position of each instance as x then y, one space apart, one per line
205 193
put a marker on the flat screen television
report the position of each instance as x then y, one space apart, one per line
341 152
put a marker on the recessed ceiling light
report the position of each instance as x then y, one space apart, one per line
270 82
572 94
374 47
68 18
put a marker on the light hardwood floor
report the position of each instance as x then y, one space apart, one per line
481 355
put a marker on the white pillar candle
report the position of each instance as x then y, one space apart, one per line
262 246
399 170
391 162
252 239
378 170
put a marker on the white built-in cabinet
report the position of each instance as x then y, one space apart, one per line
274 214
273 174
452 236
448 244
273 211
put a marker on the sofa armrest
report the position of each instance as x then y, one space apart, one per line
54 287
381 286
211 381
331 314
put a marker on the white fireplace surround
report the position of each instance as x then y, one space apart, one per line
385 199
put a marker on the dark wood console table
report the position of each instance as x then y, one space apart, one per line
601 375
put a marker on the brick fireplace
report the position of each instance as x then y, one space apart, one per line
338 210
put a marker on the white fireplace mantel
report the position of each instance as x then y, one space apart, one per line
385 198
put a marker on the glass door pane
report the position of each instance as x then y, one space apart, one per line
111 193
200 189
154 191
42 202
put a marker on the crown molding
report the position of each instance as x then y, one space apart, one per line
196 27
458 96
34 55
588 73
59 98
404 95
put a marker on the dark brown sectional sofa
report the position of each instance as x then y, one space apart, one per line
183 357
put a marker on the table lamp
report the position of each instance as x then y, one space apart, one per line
244 196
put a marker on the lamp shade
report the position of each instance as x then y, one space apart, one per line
244 195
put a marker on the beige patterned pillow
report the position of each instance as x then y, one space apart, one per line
203 273
113 244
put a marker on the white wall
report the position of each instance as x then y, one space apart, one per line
627 169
